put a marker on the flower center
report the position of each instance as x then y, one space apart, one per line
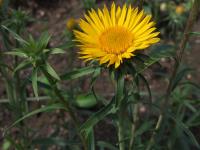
115 40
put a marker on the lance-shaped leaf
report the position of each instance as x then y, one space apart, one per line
185 128
195 33
78 73
47 108
98 116
16 36
43 40
17 53
156 53
57 51
180 75
51 71
24 64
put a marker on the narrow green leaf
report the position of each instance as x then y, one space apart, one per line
44 85
193 118
190 83
189 106
67 45
78 73
156 53
57 51
195 33
17 53
143 128
44 40
185 128
22 65
47 108
16 36
98 116
51 71
35 82
180 75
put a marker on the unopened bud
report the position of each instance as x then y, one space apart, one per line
180 9
71 23
163 6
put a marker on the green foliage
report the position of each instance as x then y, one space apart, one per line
47 108
170 16
98 116
88 4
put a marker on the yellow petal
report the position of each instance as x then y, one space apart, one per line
123 16
113 14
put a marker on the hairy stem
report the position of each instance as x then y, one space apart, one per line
190 22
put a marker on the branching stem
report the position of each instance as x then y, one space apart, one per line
190 22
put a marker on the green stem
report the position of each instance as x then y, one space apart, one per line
8 85
141 4
121 131
134 125
66 104
191 20
152 139
119 99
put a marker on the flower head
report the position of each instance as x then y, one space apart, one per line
115 35
180 9
1 3
71 23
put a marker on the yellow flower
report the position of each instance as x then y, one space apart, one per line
180 9
1 2
111 37
71 23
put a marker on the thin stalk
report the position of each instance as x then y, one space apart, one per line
67 105
121 131
119 98
29 99
134 126
8 85
180 52
141 4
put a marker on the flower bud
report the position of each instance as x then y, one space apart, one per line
163 7
180 9
71 23
1 3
